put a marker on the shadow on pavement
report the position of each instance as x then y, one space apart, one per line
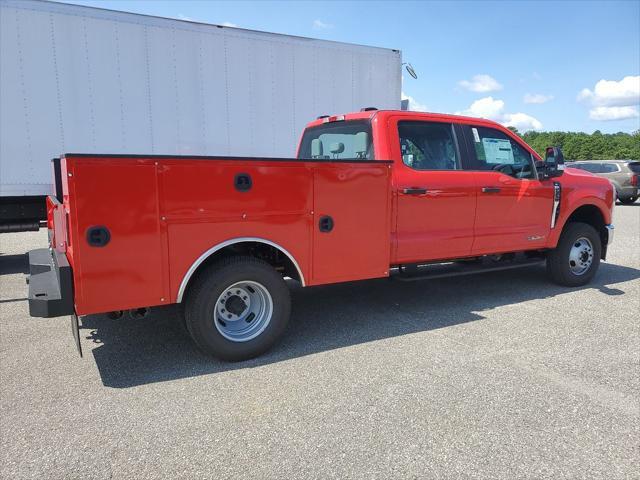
155 349
10 264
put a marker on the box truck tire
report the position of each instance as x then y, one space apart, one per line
237 308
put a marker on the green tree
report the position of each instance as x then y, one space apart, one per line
584 146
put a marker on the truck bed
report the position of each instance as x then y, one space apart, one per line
164 214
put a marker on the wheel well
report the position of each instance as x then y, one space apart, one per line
277 257
591 215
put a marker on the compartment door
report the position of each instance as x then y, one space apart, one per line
117 244
351 221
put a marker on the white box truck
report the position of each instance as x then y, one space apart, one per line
82 79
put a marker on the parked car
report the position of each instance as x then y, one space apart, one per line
622 173
371 194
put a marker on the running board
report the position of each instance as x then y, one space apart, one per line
456 269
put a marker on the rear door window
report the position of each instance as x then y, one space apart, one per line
589 167
428 146
610 168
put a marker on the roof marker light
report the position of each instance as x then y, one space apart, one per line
333 118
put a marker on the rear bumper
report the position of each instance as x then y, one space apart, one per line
628 192
50 284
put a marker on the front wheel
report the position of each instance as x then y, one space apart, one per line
237 309
628 200
576 258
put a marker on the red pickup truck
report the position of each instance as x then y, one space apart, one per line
371 194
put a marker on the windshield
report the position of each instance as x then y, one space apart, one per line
338 141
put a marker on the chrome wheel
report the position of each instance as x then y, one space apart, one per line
580 256
243 311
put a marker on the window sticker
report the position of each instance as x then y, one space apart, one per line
498 150
476 137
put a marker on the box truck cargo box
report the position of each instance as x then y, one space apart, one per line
81 79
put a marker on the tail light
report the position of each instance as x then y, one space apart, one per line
634 180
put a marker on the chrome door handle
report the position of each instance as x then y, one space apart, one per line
414 191
490 189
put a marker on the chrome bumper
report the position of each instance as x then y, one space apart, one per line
610 230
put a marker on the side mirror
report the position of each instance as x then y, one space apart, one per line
553 165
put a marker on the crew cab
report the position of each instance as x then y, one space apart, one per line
371 194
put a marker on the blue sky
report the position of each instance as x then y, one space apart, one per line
536 65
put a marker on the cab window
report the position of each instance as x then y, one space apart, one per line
428 146
495 150
350 140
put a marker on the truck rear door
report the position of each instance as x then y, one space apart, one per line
436 199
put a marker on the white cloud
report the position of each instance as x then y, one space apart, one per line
182 16
486 107
320 25
481 83
611 93
229 24
413 104
493 109
537 98
521 121
613 113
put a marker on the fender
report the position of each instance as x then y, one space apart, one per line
194 266
575 198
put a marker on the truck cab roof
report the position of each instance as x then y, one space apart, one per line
409 114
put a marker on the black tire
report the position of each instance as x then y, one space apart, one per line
200 307
628 201
558 259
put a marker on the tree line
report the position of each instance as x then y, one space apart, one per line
584 146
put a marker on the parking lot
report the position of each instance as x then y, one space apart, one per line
501 375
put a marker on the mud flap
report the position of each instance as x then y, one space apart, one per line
75 330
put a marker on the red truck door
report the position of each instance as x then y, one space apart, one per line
514 208
436 199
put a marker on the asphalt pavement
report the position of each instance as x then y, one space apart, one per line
500 375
